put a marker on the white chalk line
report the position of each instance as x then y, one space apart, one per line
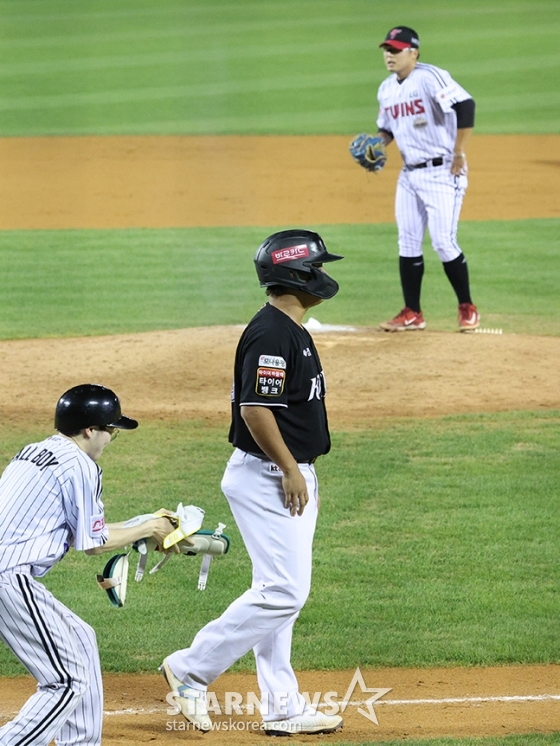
377 703
362 702
466 700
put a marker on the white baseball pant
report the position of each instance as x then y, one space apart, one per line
262 619
60 650
429 198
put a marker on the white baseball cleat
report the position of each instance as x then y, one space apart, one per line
309 722
192 702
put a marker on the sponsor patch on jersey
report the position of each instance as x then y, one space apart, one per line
290 252
420 122
97 524
270 381
447 96
272 361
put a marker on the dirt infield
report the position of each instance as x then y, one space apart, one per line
177 374
421 703
156 182
127 182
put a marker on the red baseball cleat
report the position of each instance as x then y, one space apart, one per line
469 318
406 320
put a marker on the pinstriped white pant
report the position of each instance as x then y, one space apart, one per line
60 650
262 619
429 198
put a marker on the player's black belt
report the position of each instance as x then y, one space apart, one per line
265 458
433 162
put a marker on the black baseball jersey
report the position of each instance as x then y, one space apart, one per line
277 366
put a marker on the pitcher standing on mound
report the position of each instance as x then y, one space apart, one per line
431 117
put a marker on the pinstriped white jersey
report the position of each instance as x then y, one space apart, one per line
418 112
50 500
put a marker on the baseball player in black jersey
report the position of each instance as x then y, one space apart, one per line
303 427
50 500
279 428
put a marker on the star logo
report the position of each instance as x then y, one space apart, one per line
377 694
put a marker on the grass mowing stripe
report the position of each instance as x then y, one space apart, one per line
304 120
192 31
146 279
147 59
310 119
360 40
511 102
313 81
195 91
283 7
221 92
522 63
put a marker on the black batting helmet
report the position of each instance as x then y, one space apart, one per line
292 259
90 405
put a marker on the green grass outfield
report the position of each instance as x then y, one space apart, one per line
280 66
61 283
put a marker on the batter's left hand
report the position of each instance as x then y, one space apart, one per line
295 491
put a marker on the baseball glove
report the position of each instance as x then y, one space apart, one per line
369 151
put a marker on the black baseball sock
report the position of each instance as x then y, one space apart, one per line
411 271
458 275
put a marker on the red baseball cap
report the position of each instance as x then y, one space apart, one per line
401 37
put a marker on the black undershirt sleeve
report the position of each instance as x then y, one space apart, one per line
465 113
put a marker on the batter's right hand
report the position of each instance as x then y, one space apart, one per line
162 528
295 491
